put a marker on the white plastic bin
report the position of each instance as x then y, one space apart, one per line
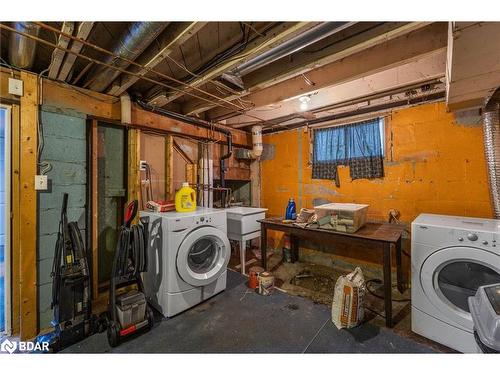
342 217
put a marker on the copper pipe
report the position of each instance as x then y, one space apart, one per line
5 27
149 70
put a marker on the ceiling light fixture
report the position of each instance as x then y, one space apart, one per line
304 102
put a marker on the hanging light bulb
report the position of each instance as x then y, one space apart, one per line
304 102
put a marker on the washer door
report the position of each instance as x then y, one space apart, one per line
451 275
203 255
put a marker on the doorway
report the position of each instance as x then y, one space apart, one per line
112 195
5 120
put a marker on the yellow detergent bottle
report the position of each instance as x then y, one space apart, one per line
185 199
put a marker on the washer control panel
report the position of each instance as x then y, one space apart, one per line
476 238
203 220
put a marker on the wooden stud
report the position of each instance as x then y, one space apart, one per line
133 174
28 203
15 223
169 167
95 216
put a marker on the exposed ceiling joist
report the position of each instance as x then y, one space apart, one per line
58 54
350 41
154 56
473 67
83 32
274 37
377 58
423 74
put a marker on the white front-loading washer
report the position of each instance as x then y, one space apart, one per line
188 255
451 258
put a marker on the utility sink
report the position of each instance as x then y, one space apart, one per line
243 220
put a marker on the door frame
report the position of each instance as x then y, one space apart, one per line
95 123
8 217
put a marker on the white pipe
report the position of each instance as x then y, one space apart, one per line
257 146
126 108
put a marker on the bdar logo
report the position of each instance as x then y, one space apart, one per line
8 346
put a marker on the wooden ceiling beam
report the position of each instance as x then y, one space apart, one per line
148 120
173 38
473 66
58 54
389 54
84 29
273 38
347 42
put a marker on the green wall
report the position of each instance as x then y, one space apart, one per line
65 148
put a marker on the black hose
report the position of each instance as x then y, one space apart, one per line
222 162
378 281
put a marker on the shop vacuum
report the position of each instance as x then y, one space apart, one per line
71 293
128 312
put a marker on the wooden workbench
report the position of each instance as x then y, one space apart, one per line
383 236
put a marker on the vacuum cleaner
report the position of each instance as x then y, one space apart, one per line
128 312
71 294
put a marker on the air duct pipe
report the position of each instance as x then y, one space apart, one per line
135 40
491 133
257 146
21 48
301 41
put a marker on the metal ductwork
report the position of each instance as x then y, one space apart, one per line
293 45
491 133
136 39
21 48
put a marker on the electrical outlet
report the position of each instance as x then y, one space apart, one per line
15 86
143 165
41 182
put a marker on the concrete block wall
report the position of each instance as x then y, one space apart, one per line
65 148
435 164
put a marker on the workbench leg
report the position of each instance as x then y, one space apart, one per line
387 285
263 246
243 249
294 244
399 264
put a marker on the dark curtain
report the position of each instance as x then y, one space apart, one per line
356 145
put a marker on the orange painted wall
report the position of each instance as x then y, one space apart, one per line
437 166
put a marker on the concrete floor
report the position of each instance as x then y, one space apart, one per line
241 321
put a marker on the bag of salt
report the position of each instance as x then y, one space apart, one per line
347 305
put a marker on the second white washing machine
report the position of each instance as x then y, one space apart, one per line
188 255
451 258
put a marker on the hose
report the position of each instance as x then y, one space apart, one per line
378 281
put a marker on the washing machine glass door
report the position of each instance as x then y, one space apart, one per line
451 275
203 255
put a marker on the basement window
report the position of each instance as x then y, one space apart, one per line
357 145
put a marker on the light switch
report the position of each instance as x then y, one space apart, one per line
15 86
41 182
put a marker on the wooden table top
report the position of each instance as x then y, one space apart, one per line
382 232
